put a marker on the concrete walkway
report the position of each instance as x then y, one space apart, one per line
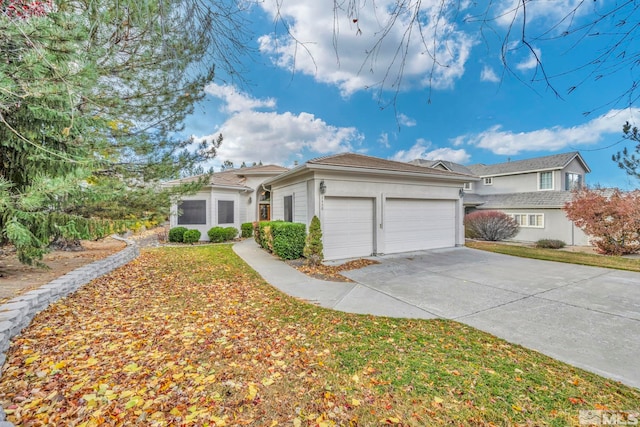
585 316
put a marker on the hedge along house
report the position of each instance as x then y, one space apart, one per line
230 198
368 205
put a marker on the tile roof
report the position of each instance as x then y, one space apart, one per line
535 199
234 177
368 162
556 161
453 167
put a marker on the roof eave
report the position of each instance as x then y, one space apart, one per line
454 176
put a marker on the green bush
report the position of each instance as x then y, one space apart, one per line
288 239
247 229
191 236
216 234
313 243
176 234
230 233
550 244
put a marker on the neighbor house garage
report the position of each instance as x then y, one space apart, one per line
369 206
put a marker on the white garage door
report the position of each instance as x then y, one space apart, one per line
347 227
415 224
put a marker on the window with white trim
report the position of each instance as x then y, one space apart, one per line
545 180
288 208
225 212
529 220
467 186
572 181
192 212
488 180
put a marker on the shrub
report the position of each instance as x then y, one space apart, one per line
490 225
216 234
230 233
550 244
288 239
191 236
611 219
313 243
247 229
176 234
264 235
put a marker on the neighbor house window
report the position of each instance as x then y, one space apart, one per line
572 181
192 212
467 186
225 212
546 181
288 208
529 220
488 181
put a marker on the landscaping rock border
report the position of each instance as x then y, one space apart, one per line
18 312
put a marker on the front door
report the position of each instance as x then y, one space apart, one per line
265 212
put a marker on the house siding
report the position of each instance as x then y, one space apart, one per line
556 226
299 192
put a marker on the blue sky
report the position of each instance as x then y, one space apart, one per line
303 99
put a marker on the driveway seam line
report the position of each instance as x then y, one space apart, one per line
395 298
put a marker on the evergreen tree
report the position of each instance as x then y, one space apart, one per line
91 94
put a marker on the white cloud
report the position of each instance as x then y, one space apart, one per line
236 101
314 25
273 137
383 140
510 12
488 75
422 150
406 121
531 62
504 142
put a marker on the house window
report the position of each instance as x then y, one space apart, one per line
529 220
288 208
572 181
467 186
192 212
225 212
546 181
488 181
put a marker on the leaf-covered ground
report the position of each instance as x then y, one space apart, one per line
331 273
192 336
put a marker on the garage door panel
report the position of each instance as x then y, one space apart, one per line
347 231
417 224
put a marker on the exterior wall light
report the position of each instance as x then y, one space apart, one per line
323 187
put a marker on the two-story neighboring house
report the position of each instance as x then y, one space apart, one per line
532 191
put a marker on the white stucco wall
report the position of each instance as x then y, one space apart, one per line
372 186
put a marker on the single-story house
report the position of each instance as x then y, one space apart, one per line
230 198
367 205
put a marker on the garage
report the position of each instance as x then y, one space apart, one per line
348 227
418 224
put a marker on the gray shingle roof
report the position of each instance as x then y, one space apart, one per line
535 199
556 161
453 167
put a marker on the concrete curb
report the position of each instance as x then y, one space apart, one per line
18 312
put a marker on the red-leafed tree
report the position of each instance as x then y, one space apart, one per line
23 9
610 217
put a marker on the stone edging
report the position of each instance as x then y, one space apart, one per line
18 312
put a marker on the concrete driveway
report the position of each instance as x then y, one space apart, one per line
588 317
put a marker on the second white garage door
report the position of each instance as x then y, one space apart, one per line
416 224
347 229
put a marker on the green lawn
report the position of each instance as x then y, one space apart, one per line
615 262
192 336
